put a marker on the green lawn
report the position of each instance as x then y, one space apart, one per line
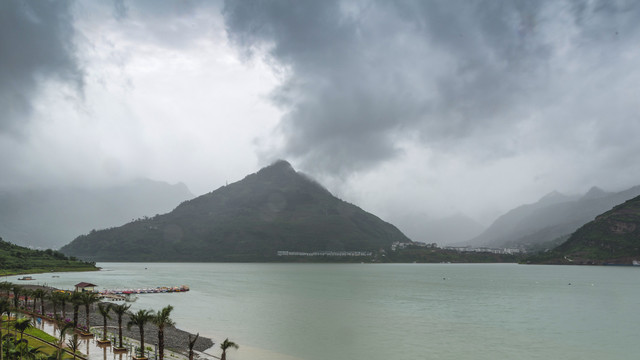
36 335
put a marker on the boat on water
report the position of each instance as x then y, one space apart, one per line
26 278
635 263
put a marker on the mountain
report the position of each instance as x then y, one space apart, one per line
612 238
274 209
49 218
553 216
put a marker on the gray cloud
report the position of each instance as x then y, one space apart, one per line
171 23
430 100
360 77
36 44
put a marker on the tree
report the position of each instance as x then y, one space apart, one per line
139 319
88 298
120 310
26 294
65 297
192 343
33 353
74 344
6 287
161 319
226 344
17 291
4 308
55 298
63 332
11 348
32 297
76 300
40 294
22 325
104 309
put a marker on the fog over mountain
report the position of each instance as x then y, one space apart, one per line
50 218
553 216
450 230
433 108
611 238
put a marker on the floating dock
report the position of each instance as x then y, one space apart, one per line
157 290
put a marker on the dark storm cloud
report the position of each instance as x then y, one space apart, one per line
36 44
359 77
174 24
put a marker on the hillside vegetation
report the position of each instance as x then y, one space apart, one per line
612 238
555 215
16 259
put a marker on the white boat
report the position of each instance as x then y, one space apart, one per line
635 263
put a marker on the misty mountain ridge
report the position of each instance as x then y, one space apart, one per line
49 217
274 209
594 193
613 237
556 197
553 216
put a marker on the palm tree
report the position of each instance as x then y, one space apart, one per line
22 325
104 309
33 353
27 294
17 291
120 310
12 348
74 344
139 319
225 345
4 308
55 298
192 343
76 300
40 294
6 287
161 319
63 332
88 298
31 295
65 297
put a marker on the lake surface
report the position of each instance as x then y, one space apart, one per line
392 311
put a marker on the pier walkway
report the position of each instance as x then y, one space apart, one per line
157 290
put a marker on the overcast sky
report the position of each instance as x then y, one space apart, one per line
410 109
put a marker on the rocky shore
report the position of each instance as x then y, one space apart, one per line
174 338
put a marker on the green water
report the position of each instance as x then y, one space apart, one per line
394 311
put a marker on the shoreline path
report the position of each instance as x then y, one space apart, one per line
175 339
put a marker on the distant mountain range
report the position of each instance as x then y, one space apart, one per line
612 238
50 218
553 216
274 209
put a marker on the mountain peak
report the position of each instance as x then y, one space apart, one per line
594 193
553 197
281 166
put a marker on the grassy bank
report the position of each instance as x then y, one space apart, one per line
16 260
